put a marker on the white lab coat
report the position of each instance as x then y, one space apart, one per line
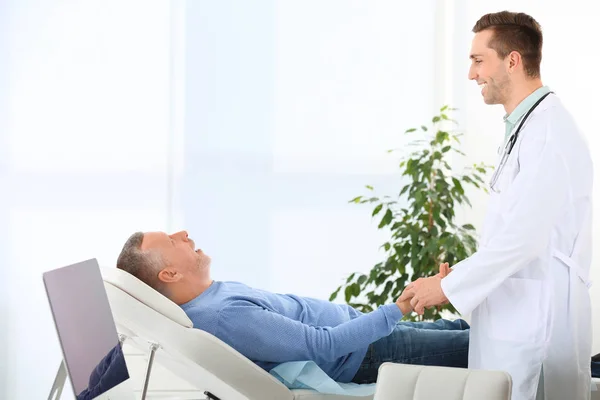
527 285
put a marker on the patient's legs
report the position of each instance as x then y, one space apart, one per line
440 324
443 342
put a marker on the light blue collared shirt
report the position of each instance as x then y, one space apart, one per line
511 120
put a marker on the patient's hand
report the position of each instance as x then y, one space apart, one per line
408 294
403 303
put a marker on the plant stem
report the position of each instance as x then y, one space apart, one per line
432 179
431 182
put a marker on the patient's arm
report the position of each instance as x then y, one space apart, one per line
263 335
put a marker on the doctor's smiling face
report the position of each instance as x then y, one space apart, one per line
506 54
489 70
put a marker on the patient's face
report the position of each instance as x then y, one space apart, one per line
489 70
179 252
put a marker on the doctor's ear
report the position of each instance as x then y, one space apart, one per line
514 60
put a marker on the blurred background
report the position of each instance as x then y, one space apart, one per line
250 124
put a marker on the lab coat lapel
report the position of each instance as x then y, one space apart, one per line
492 219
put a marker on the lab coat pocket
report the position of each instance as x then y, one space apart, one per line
514 311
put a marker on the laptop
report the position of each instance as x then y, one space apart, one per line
92 354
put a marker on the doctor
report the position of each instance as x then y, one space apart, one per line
527 285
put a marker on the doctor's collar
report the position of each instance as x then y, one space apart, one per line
525 105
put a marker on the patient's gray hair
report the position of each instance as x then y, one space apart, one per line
143 264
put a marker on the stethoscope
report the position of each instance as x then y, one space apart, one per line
510 144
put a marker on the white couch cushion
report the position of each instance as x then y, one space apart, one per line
312 395
416 382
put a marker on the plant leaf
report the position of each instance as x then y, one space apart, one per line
377 209
387 218
348 293
362 279
404 189
334 294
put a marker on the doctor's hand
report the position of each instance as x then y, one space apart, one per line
444 270
425 293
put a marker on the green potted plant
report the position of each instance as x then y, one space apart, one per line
421 220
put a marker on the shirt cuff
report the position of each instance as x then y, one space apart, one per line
392 313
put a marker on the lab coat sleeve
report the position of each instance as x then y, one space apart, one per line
536 198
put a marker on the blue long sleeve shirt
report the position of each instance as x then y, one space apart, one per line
271 329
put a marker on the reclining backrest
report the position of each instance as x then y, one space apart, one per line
203 360
146 295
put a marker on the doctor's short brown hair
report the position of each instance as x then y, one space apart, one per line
515 32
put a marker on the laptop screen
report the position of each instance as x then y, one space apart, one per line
87 333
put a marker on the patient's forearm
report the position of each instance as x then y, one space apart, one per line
271 337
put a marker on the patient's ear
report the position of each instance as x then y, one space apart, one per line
169 275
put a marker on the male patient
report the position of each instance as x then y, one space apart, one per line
271 329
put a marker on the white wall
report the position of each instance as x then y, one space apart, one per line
4 202
567 61
290 108
281 101
85 125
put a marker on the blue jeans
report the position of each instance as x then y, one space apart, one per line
596 369
442 343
